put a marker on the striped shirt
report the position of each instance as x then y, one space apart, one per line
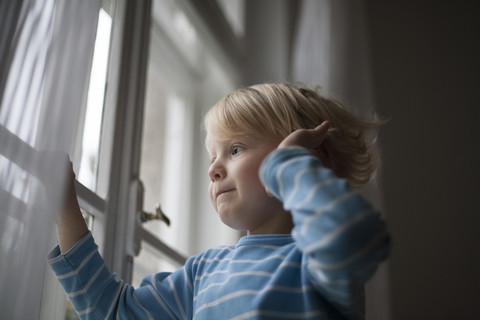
317 272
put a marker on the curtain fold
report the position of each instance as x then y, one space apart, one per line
46 53
332 50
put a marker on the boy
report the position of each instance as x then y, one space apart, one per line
283 162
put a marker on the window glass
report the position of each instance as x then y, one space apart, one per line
184 77
88 169
162 169
148 262
169 20
87 151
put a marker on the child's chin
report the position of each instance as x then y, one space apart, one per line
232 223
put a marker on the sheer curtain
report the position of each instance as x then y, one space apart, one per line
332 49
46 48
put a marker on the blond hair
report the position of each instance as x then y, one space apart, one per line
276 110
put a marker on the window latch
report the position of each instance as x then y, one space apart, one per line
158 215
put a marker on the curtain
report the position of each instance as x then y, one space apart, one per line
46 48
331 49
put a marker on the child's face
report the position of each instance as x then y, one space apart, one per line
235 189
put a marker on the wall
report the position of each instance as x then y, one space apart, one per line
426 72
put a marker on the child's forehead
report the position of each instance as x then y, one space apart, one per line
225 139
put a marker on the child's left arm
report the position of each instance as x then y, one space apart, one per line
342 236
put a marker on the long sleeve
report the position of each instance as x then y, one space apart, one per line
97 294
341 235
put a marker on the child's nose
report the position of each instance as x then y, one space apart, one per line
216 171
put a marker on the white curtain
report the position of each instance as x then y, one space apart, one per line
331 49
46 48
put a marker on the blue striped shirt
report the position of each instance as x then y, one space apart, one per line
317 272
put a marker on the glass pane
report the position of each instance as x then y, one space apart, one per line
92 127
163 150
149 262
89 218
172 23
87 173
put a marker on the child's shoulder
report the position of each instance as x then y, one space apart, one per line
210 259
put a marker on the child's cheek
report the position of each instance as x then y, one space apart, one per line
211 196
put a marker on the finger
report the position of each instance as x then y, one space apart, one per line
311 138
323 127
320 135
307 138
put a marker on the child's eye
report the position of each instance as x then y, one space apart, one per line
236 149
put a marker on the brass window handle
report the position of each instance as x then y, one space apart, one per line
158 215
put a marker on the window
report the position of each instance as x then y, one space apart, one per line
92 128
183 80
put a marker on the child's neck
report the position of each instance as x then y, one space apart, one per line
282 226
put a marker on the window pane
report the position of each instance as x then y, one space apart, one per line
92 126
87 173
172 22
149 262
165 138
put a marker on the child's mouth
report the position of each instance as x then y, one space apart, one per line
221 192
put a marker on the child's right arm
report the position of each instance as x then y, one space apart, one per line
55 171
339 232
95 292
71 226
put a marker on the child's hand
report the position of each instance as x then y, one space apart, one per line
308 138
55 171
